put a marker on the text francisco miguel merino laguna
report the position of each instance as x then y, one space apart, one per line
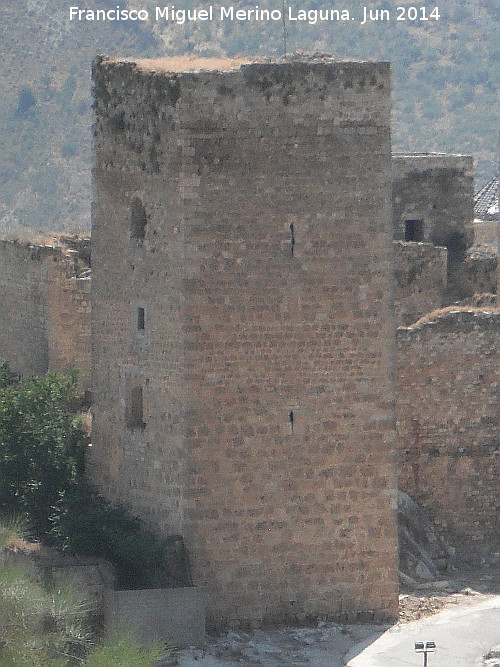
229 13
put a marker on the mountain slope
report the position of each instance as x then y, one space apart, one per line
446 82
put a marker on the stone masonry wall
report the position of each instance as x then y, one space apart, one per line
242 327
438 189
23 326
420 272
486 232
479 271
448 383
432 199
69 323
46 323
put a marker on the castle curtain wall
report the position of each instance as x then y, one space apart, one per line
448 421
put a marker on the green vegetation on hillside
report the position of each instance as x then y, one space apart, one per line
445 86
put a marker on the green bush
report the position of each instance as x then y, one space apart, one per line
26 101
41 447
7 377
48 626
40 626
42 471
84 523
124 652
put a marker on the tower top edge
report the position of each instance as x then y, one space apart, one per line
193 64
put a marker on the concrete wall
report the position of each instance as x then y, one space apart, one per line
174 616
265 360
46 306
421 279
171 616
448 421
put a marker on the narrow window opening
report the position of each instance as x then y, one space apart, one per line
87 399
414 230
138 220
290 419
457 246
292 243
141 321
135 409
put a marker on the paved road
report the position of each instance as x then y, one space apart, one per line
462 635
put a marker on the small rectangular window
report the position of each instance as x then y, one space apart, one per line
292 240
135 408
141 320
138 220
414 230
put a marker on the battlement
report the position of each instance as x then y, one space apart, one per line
410 161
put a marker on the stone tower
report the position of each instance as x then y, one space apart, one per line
243 336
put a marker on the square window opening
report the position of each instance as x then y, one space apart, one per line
414 230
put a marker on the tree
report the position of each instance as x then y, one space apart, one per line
26 101
41 447
42 480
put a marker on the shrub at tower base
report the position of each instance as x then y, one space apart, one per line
42 447
41 472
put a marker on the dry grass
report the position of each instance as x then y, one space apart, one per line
11 536
40 238
191 64
440 312
19 544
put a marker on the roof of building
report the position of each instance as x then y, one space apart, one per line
486 200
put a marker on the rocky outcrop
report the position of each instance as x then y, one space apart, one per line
424 555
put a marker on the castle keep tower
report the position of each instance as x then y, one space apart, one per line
243 336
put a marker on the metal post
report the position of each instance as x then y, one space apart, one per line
425 648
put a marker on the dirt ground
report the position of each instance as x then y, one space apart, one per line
328 644
459 588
